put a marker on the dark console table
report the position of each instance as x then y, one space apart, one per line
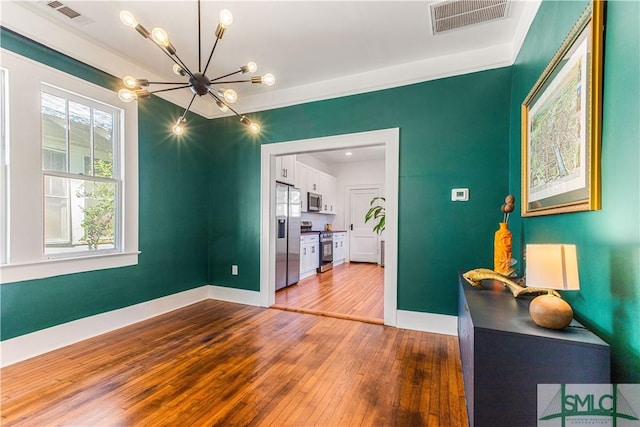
505 356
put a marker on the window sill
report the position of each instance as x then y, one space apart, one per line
41 269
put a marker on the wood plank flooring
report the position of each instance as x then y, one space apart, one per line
221 364
351 291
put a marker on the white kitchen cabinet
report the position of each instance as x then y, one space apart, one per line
302 182
339 249
313 180
286 169
328 193
309 254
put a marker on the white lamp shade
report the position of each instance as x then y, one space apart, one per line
552 266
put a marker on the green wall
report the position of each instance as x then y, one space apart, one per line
199 199
173 217
453 133
608 240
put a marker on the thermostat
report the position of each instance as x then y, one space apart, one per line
460 195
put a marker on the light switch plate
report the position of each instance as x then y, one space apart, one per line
459 194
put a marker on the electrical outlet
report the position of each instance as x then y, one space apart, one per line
234 270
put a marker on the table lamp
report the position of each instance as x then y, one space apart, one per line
552 266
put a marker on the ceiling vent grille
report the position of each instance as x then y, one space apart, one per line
54 4
60 10
454 14
65 10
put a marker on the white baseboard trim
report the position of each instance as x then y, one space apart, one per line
239 296
24 347
427 322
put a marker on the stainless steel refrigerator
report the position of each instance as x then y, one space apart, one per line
288 210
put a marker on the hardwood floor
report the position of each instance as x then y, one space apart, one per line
351 291
223 364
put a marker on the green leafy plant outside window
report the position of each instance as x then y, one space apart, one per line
98 222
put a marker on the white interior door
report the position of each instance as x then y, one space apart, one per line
363 241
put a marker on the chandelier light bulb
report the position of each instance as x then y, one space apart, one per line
226 18
268 79
128 19
252 67
178 129
130 82
230 96
126 95
160 36
222 107
254 128
178 70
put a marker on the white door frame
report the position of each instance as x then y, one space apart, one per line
390 138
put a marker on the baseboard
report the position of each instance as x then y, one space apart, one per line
43 341
427 322
24 347
239 296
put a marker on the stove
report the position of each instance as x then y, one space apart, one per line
326 251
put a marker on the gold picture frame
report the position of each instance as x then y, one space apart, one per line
562 124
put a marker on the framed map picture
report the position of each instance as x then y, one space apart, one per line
561 125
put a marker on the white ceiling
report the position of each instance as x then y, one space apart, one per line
316 49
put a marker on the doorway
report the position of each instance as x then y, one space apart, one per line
363 241
390 140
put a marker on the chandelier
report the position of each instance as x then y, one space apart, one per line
197 82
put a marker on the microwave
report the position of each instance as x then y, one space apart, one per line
314 202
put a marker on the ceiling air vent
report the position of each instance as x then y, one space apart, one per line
449 15
54 4
68 12
65 12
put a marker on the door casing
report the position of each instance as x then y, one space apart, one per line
390 139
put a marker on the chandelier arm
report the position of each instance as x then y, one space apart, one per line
227 75
213 49
199 41
230 81
170 89
189 106
178 62
227 105
165 83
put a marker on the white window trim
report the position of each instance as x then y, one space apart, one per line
26 260
68 174
4 153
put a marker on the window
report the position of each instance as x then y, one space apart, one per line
70 175
80 176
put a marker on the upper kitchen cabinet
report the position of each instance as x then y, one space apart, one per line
302 182
328 185
313 181
286 169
